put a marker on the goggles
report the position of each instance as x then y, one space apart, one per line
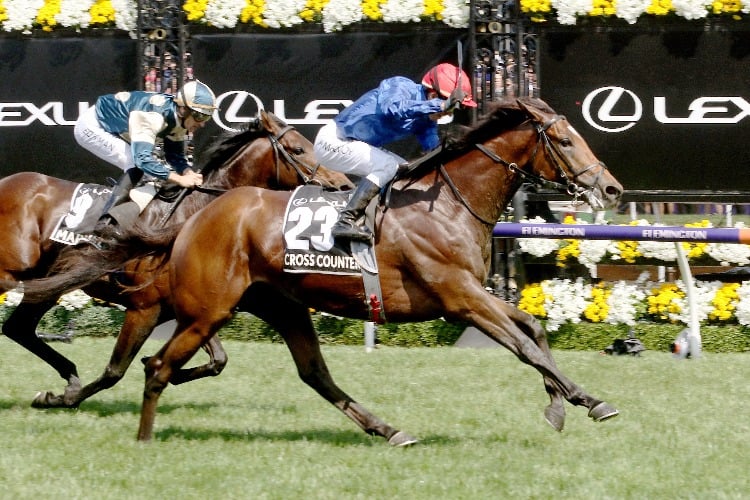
199 117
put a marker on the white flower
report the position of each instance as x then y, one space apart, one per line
565 301
74 13
340 13
283 13
74 300
224 13
631 10
728 254
691 9
742 312
622 303
592 252
13 298
569 10
402 11
456 13
21 14
126 15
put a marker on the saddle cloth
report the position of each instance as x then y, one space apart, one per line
309 246
86 205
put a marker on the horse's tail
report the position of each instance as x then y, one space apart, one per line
80 266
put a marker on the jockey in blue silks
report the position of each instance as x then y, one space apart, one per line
397 108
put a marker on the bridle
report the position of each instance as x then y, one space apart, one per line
570 185
304 171
299 166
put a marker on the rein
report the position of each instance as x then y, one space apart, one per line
571 188
278 151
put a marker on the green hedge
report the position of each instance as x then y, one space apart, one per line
101 321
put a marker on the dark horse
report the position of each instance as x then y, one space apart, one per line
433 254
268 154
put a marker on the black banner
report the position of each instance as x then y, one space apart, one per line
44 83
665 110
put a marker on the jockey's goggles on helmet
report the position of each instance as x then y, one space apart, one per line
199 117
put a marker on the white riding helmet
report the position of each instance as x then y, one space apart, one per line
197 96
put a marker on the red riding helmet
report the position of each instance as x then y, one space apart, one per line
444 79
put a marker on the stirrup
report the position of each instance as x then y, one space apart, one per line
344 231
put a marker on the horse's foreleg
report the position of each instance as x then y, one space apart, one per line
523 336
161 367
217 361
21 328
292 321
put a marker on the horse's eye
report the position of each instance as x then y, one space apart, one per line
566 142
298 151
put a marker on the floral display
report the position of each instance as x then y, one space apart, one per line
592 252
334 15
559 300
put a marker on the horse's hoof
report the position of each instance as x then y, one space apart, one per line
603 411
47 400
555 417
402 439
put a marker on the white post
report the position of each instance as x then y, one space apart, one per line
369 336
694 335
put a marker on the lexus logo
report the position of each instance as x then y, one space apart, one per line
616 109
604 100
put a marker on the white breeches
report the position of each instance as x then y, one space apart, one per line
355 157
92 137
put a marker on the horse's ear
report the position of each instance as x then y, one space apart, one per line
265 120
532 111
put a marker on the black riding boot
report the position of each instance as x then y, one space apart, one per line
120 194
347 227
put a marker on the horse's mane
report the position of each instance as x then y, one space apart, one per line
226 144
501 115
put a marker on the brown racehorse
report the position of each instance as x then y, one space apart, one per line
433 253
269 154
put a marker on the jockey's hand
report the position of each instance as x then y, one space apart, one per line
454 101
187 180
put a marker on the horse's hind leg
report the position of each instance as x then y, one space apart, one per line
21 328
216 363
292 321
135 330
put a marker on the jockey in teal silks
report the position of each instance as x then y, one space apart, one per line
122 129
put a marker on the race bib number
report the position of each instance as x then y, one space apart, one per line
310 215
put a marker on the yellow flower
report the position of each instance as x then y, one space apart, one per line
46 15
725 302
371 10
598 309
532 300
661 301
660 7
3 13
695 250
536 7
313 11
195 9
602 8
252 13
102 12
433 9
